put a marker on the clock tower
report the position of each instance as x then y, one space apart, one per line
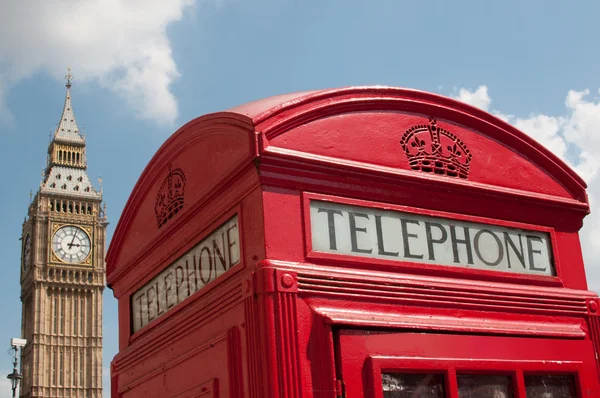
62 273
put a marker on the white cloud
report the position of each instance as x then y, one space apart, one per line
120 44
478 98
544 129
574 137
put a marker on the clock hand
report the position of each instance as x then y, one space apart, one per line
72 240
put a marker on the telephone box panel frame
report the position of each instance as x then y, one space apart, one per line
421 268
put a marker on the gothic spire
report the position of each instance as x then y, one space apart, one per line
65 172
67 130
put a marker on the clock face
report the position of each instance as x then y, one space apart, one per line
71 244
26 252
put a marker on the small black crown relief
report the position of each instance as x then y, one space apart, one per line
432 149
169 199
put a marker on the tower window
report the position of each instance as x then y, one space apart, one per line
55 353
76 188
75 357
53 185
69 178
80 179
60 156
81 364
70 207
61 370
77 158
62 315
75 312
55 323
81 320
58 176
64 186
77 204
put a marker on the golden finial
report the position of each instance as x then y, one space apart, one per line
100 182
69 76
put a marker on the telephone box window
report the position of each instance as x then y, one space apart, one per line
484 386
550 386
408 385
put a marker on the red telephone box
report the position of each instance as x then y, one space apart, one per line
360 242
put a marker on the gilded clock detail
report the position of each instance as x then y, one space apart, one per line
71 244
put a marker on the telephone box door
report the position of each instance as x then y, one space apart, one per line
379 364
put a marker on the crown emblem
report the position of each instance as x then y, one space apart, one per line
169 199
432 149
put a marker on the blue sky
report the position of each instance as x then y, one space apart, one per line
144 68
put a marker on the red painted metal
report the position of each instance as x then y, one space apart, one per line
288 321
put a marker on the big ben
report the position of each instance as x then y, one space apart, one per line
63 273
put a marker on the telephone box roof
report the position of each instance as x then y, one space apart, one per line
263 109
277 127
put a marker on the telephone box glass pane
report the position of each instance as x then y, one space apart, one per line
484 386
550 386
409 385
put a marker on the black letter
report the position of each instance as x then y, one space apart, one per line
158 299
466 242
191 273
179 281
209 257
354 230
230 244
150 303
331 224
531 252
139 298
169 288
406 235
380 239
217 253
508 242
478 252
430 240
